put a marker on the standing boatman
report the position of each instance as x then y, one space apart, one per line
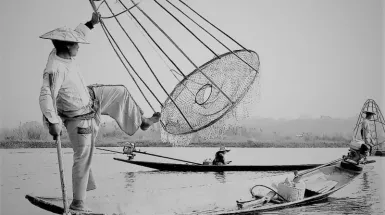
367 132
65 98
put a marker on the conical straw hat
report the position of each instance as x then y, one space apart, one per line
65 34
224 149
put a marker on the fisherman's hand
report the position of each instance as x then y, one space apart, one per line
55 130
95 18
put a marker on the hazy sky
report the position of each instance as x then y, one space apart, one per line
318 57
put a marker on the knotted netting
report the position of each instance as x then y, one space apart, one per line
210 92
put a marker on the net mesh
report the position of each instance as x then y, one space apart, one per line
208 94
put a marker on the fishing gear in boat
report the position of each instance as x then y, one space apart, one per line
195 97
311 186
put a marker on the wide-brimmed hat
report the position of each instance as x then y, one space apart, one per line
223 149
65 34
368 112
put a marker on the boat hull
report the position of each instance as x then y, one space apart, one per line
54 205
213 168
335 172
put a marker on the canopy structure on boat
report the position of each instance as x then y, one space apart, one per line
378 125
195 97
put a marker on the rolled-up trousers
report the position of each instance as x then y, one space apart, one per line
114 101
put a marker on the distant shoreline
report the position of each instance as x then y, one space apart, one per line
249 144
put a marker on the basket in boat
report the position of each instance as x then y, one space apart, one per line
292 191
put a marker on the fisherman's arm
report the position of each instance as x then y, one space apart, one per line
95 19
52 82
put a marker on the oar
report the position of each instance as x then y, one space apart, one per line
151 155
298 176
61 170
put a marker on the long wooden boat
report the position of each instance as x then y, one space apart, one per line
54 205
319 185
213 168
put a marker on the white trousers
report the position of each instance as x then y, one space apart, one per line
114 101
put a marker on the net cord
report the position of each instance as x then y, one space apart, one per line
108 35
212 25
214 36
137 85
180 50
186 28
147 66
152 39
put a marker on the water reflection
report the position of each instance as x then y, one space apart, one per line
130 180
220 176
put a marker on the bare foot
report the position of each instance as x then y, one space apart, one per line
79 206
147 122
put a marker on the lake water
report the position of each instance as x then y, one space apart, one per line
128 189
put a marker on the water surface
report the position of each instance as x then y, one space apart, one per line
129 189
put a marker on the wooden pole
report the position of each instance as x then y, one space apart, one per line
166 157
59 156
62 180
151 155
298 177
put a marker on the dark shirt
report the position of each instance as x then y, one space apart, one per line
219 158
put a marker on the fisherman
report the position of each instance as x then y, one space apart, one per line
366 132
220 157
65 98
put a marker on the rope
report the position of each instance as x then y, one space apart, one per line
153 40
148 102
176 46
212 24
108 17
212 35
144 59
173 72
108 35
258 185
186 28
109 40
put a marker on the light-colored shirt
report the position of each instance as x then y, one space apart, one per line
68 90
367 132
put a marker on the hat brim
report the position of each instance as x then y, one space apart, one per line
72 41
65 34
369 112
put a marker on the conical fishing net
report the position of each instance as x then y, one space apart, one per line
210 92
207 95
377 124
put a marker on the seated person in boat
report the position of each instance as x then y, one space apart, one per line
220 157
65 98
366 132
